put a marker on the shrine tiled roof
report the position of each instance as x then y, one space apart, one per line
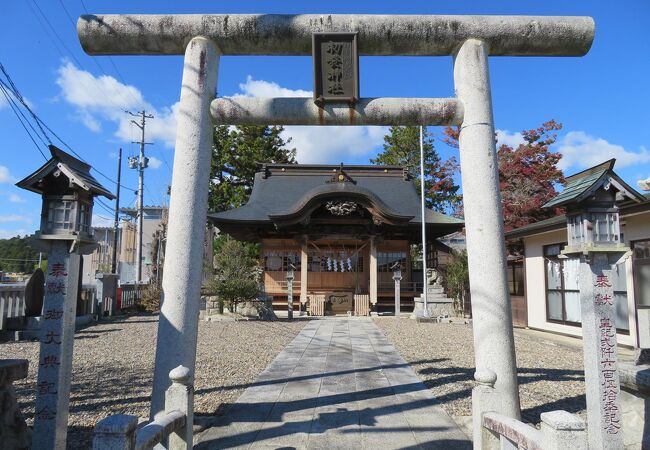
280 190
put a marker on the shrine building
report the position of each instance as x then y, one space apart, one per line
343 228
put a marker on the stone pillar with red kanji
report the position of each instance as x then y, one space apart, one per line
604 415
56 342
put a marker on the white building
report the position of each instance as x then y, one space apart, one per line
544 287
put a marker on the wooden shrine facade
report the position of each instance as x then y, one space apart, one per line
342 228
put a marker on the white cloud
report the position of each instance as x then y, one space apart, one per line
13 198
102 221
505 137
15 218
315 144
580 150
103 98
5 175
261 88
331 145
154 162
6 234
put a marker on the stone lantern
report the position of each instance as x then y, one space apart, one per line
397 277
290 278
591 200
67 189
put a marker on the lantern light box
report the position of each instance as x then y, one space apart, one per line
68 190
591 200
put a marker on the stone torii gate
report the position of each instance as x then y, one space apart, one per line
470 39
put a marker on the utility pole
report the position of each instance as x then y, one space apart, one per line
140 163
116 225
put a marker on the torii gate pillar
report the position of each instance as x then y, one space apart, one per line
494 346
188 207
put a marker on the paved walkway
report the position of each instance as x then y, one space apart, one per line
338 384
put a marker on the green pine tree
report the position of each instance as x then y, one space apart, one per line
402 148
236 155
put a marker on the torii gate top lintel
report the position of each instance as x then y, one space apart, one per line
291 34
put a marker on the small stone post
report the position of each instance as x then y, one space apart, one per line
179 314
563 430
56 346
397 276
13 429
484 399
290 277
494 345
115 433
600 353
180 397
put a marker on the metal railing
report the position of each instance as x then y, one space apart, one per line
119 431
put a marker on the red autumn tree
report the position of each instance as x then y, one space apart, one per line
528 174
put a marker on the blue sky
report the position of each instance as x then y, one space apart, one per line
602 99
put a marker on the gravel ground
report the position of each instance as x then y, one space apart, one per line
550 375
113 367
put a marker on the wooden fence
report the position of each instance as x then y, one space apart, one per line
361 304
12 301
316 304
131 295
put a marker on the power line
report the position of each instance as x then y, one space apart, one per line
108 208
40 123
14 90
13 108
96 60
65 47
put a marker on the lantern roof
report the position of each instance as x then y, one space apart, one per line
583 185
77 172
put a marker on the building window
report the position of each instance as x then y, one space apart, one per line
386 260
84 218
563 290
61 215
516 277
641 262
280 261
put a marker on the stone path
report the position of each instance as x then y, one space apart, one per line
338 384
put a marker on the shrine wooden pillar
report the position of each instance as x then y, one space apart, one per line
373 270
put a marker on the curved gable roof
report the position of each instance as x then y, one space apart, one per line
280 191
